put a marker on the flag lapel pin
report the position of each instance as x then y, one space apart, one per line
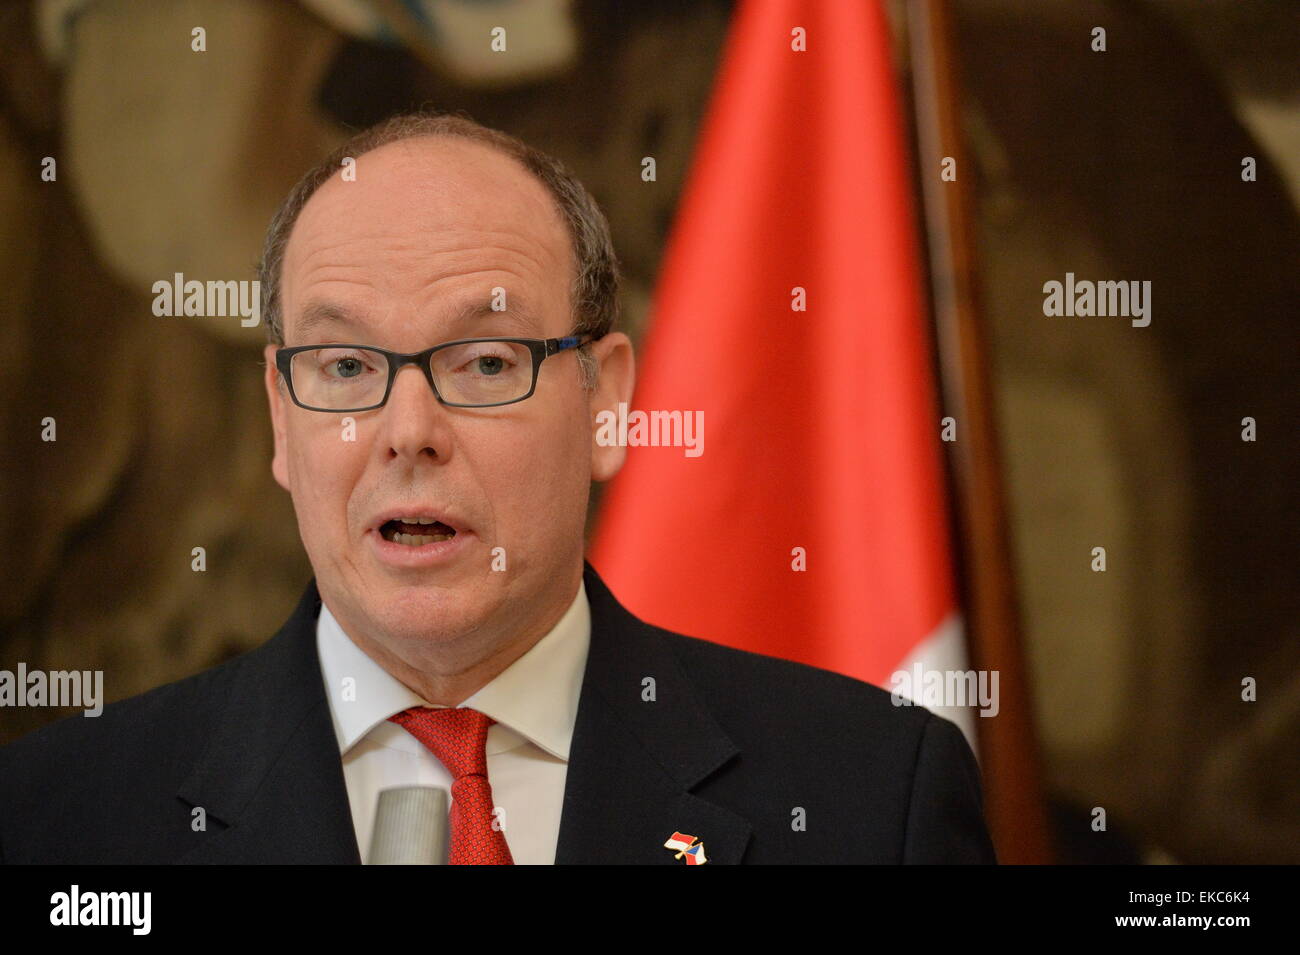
687 847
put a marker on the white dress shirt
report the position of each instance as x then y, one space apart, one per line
534 702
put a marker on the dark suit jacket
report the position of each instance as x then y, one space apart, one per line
732 747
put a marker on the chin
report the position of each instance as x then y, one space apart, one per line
419 613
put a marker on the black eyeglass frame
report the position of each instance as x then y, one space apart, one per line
541 349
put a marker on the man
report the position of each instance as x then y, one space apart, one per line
440 299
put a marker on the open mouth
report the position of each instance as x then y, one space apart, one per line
416 532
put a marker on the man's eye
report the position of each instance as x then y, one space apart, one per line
489 365
349 366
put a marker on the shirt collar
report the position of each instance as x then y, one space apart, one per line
536 696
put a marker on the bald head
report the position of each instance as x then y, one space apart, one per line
594 275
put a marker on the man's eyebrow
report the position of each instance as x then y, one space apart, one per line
319 314
516 309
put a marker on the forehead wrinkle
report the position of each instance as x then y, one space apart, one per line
428 287
417 242
521 309
404 257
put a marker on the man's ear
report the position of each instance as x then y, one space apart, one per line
277 399
615 377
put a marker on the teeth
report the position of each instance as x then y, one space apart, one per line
418 540
417 520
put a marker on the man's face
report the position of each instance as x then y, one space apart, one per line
428 227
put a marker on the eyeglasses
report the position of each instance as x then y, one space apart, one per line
469 373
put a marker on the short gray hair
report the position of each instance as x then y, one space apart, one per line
594 292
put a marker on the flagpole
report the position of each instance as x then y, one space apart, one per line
1008 751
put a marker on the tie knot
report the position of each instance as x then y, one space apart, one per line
458 737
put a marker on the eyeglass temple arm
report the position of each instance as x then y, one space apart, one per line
554 345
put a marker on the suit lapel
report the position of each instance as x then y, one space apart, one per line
271 772
634 761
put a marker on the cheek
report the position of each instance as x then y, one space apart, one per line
323 470
570 478
534 481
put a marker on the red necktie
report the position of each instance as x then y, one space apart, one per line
458 737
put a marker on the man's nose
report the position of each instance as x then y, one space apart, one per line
414 422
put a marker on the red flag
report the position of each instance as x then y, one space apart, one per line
820 429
